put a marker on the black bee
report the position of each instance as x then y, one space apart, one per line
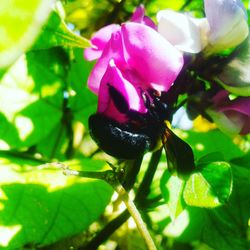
141 133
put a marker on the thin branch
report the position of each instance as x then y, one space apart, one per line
111 177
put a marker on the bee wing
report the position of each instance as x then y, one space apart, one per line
179 154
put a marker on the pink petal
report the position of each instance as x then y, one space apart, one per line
114 77
139 17
113 49
153 57
99 41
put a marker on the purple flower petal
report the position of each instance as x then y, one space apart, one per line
152 56
99 41
113 50
114 77
139 17
237 112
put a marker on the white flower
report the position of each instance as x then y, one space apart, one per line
228 23
225 26
185 32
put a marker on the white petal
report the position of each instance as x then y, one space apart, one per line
228 23
183 31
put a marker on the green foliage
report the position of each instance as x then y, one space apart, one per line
210 187
56 33
44 110
20 24
41 205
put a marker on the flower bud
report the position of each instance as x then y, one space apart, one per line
231 116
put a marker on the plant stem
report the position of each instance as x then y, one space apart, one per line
136 216
144 187
111 178
105 233
140 197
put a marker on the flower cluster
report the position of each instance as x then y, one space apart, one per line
179 56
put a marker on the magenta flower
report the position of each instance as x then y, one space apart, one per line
134 60
139 17
102 36
231 116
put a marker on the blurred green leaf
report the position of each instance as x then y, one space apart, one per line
210 187
31 94
20 23
41 205
56 33
210 142
172 189
83 102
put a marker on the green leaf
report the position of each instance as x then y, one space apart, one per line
83 102
210 142
210 187
172 189
20 23
41 205
226 226
56 33
211 157
31 94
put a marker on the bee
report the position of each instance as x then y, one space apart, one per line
142 132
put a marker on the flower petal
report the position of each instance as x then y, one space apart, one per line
113 49
231 116
139 17
186 33
228 23
114 77
99 41
152 56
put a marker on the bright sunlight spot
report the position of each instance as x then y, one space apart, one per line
7 233
178 226
25 126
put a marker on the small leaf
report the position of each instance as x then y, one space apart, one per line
20 23
210 187
172 188
56 33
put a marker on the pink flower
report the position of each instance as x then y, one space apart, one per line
139 17
102 36
134 60
231 116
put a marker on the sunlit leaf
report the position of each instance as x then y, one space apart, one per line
210 187
210 142
31 94
172 190
20 23
56 33
83 102
40 205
